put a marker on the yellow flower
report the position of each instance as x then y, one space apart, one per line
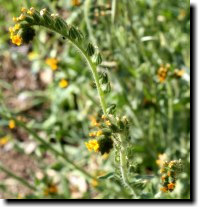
182 14
179 73
162 73
11 124
21 17
171 163
99 133
32 55
92 134
94 183
105 156
164 189
16 39
19 196
4 140
16 27
103 117
11 30
15 19
171 186
161 159
76 2
108 123
52 62
63 83
23 9
51 189
94 121
31 11
92 145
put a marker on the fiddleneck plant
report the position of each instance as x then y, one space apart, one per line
113 130
110 131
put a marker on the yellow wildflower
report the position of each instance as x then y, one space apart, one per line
161 159
16 39
92 134
179 73
21 17
63 83
171 186
92 145
99 133
32 55
16 27
52 62
164 189
103 117
94 122
11 124
162 73
76 2
51 189
19 196
105 156
182 14
23 9
31 11
15 19
4 140
171 163
163 178
108 123
94 183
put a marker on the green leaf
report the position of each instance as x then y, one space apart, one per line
107 176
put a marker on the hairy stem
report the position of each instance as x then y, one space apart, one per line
93 69
123 167
170 111
91 65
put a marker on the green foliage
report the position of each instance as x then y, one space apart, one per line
147 116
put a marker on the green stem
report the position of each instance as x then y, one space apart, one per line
113 11
93 69
123 167
91 65
170 111
20 179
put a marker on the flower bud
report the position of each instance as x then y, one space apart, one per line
27 34
46 16
90 49
111 109
105 144
98 59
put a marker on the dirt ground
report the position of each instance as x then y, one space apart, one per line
20 79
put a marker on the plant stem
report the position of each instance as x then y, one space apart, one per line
123 167
170 111
113 11
20 179
91 65
93 69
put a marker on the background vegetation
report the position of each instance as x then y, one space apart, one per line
135 39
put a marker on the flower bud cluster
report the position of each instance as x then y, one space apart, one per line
170 171
104 129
